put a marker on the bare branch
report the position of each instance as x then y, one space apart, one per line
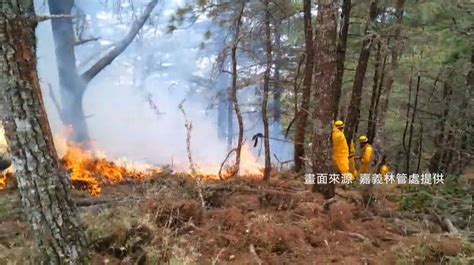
192 167
84 41
120 46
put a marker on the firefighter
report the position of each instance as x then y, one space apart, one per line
367 157
340 150
384 169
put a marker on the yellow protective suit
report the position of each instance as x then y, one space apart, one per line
340 151
384 169
366 159
352 163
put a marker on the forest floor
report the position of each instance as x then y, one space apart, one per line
244 221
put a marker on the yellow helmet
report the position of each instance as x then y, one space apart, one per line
339 123
363 139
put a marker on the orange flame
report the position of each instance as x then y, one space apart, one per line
3 181
90 172
248 167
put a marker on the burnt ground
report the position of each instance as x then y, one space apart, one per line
162 221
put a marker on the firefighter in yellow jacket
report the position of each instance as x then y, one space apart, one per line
340 150
367 156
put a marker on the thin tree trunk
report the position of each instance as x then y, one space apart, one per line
420 147
373 97
71 85
412 122
302 115
356 98
341 50
388 82
373 126
43 184
277 90
266 81
238 23
407 121
324 98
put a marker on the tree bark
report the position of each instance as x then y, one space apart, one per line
233 96
341 50
42 182
324 97
302 115
388 82
71 85
354 107
266 81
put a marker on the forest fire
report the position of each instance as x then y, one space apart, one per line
90 171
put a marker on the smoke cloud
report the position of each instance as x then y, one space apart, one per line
157 69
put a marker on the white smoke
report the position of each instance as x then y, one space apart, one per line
120 119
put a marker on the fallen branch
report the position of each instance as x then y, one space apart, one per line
451 228
356 235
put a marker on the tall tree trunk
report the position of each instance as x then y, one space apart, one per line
324 96
302 115
354 107
42 182
238 23
341 50
277 90
379 68
71 85
407 122
388 82
412 122
266 81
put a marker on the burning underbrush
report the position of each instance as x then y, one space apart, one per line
90 172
